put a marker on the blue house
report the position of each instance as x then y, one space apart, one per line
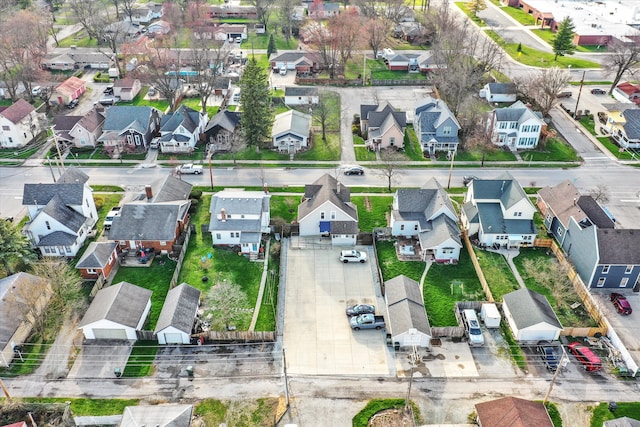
436 127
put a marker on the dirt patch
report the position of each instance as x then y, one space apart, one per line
367 203
390 418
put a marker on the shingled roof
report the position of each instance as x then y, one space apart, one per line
179 309
17 111
123 303
513 412
327 189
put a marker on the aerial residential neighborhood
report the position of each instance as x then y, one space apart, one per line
315 213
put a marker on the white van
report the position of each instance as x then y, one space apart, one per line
472 326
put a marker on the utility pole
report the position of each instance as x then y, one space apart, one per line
413 360
575 112
561 365
286 379
210 169
453 156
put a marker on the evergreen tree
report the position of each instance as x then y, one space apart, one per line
254 99
16 248
563 41
271 48
476 6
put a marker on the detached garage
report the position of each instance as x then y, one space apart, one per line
407 321
177 315
530 316
117 312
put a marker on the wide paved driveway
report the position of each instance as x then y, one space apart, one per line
317 337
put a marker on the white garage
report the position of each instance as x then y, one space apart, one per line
177 315
117 312
407 320
530 316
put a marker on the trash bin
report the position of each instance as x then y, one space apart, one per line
613 406
389 340
117 372
396 346
189 371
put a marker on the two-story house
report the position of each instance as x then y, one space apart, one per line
181 130
516 127
436 127
19 124
221 130
624 126
499 213
427 215
61 215
129 128
326 210
81 131
240 218
383 126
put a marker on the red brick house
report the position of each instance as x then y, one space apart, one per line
98 260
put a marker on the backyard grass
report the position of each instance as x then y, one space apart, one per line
497 273
322 150
372 211
412 147
79 39
156 278
266 320
261 41
601 413
554 150
87 407
391 267
378 70
258 413
33 352
285 207
140 362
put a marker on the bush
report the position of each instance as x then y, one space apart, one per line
194 206
98 201
99 78
195 194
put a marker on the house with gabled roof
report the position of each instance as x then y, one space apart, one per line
221 129
98 259
129 128
291 131
499 92
427 215
511 412
180 130
79 60
530 316
622 422
301 95
627 92
383 125
117 312
326 210
81 131
70 89
301 61
436 127
19 124
499 213
145 14
127 88
178 314
625 128
516 127
240 218
407 320
163 415
322 9
61 214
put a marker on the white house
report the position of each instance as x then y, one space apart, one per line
407 321
117 312
499 92
427 215
516 127
499 213
290 131
239 218
61 215
300 95
19 124
181 130
326 210
163 415
530 316
178 313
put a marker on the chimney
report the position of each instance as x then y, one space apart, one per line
223 215
574 201
265 187
147 189
338 188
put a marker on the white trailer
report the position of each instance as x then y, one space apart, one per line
490 315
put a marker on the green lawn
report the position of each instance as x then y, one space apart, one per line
378 70
497 273
140 362
285 207
615 149
86 407
156 278
196 155
601 413
322 150
104 203
412 148
391 267
547 35
79 39
258 413
250 153
372 211
261 41
554 150
88 153
589 123
19 153
34 351
364 154
519 15
496 155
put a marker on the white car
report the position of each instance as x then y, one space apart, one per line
353 256
189 168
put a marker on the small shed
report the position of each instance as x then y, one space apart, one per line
530 316
490 315
407 320
178 314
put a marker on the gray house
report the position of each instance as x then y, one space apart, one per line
178 314
436 127
129 128
407 323
530 316
220 130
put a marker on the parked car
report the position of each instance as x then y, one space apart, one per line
467 179
354 170
113 213
586 356
35 91
621 303
189 168
367 321
283 71
151 91
108 91
598 91
109 100
73 104
353 256
565 94
548 357
358 309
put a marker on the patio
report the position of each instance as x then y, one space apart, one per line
408 249
142 258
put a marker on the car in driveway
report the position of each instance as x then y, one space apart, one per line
621 303
467 179
548 357
358 309
354 170
598 91
586 356
73 104
353 256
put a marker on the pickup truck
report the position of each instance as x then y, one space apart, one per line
189 168
367 321
108 220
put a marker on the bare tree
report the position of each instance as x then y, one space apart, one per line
285 17
126 6
227 304
237 143
160 69
600 193
321 39
90 14
622 56
326 109
209 58
377 34
394 10
263 10
390 170
368 8
346 29
544 86
65 283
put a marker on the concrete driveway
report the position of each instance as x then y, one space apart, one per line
99 359
317 337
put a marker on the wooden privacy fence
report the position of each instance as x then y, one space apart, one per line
238 336
98 285
183 251
543 243
476 265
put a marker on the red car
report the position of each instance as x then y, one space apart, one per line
620 303
588 358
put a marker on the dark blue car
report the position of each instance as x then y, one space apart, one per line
549 357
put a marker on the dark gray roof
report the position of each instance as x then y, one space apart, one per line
183 116
502 88
12 302
619 246
400 288
291 56
123 303
344 227
632 123
73 176
622 422
57 238
516 112
148 221
64 124
595 213
41 194
97 255
504 188
172 189
405 306
380 113
493 221
300 91
227 120
326 189
58 210
179 309
123 117
529 308
442 229
425 201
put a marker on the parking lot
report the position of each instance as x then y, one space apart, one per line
317 336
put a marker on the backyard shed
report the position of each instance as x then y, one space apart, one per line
407 319
177 315
530 316
490 315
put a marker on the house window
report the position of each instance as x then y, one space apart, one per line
81 232
228 216
605 269
129 140
48 225
47 250
122 243
163 242
401 227
321 215
623 282
502 125
415 227
446 130
68 249
392 141
518 214
513 125
5 128
535 128
333 214
601 281
629 269
218 237
91 270
242 216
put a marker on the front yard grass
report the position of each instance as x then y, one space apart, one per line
140 362
88 154
412 147
372 211
285 207
519 15
364 154
19 153
496 155
555 150
615 149
250 153
34 351
196 155
259 412
322 150
378 70
497 273
87 407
